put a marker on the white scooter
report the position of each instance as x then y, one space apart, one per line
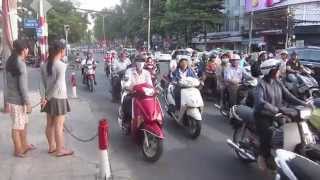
190 113
291 166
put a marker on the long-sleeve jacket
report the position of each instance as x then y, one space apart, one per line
17 86
177 74
54 86
270 96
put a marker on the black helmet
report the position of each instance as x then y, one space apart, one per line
140 58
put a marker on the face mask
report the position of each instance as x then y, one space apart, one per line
139 65
224 60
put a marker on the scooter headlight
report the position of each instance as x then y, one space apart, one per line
148 91
305 113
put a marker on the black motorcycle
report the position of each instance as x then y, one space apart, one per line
289 131
116 85
245 96
291 166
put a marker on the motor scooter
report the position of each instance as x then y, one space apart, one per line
189 115
89 76
292 134
116 78
108 67
307 87
291 166
245 89
146 126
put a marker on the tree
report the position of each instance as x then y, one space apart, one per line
64 12
180 18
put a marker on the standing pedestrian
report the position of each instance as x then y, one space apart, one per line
54 98
18 98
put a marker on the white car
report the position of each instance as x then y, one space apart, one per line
163 57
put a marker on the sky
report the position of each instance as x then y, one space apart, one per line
98 4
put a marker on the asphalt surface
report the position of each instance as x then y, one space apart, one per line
208 157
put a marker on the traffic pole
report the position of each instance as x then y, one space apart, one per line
74 85
43 39
105 170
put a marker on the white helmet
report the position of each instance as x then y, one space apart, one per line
235 57
181 57
269 65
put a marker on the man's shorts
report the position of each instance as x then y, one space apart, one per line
18 116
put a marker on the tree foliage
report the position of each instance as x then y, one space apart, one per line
64 12
179 18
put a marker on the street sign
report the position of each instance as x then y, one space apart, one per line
39 32
30 23
46 6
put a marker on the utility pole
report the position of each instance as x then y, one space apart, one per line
103 29
66 30
250 31
287 28
149 25
10 33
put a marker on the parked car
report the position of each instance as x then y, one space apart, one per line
309 57
163 57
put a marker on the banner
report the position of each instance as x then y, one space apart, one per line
256 5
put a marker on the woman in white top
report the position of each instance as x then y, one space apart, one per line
54 98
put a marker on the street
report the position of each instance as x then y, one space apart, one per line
207 157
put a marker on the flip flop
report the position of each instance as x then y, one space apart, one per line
70 153
30 148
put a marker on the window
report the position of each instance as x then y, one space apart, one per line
236 25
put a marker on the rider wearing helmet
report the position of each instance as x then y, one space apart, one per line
182 71
134 76
90 61
121 64
294 67
233 76
284 59
269 96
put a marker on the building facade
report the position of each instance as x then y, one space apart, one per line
276 24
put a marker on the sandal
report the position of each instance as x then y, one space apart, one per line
29 148
19 155
66 153
52 151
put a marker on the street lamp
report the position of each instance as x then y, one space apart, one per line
103 29
149 25
66 30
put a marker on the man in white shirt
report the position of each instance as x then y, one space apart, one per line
283 66
135 75
121 64
233 76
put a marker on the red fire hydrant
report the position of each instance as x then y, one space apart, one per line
73 81
103 134
103 131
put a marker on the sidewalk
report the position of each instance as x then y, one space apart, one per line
39 165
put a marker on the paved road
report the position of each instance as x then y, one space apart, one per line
206 158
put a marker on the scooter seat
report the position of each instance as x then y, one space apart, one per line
304 169
245 113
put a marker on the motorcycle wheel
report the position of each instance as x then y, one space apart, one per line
239 138
152 150
194 127
90 83
316 94
223 109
